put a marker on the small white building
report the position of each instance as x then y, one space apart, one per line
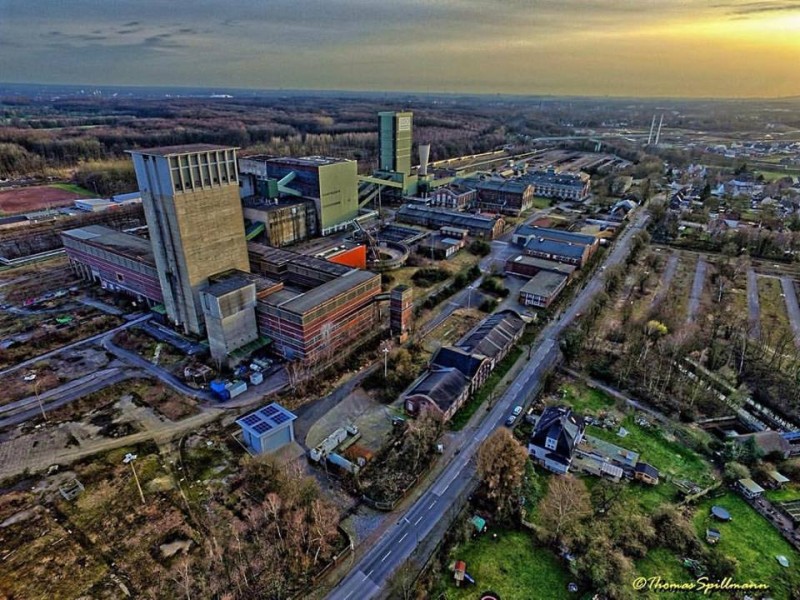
267 429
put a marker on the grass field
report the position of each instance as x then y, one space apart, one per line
75 189
753 542
669 455
770 176
774 319
540 203
585 400
512 566
790 491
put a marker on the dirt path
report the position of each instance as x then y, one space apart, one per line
753 308
697 289
36 453
666 280
792 308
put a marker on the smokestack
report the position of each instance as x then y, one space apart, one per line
652 127
658 133
424 155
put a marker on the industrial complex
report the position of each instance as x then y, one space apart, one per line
214 262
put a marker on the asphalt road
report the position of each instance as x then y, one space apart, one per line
792 307
27 408
153 370
697 289
370 575
753 308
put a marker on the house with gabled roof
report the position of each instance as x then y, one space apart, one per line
557 433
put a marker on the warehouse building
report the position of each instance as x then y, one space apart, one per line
477 225
268 429
453 198
565 186
505 196
119 262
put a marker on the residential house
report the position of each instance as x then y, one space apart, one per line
555 436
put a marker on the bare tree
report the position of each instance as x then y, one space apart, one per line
501 467
563 508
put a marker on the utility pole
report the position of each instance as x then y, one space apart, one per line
128 460
39 400
385 362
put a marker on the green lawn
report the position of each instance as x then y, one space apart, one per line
540 203
753 542
71 187
669 456
585 400
770 176
663 563
790 491
512 566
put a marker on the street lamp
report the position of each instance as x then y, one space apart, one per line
385 362
128 460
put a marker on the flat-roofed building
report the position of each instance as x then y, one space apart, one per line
478 226
323 307
330 183
542 289
229 311
194 215
119 262
285 223
528 266
268 429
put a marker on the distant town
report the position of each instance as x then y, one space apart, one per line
357 347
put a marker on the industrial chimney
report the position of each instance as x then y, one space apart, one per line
424 155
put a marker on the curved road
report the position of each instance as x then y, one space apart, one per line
370 575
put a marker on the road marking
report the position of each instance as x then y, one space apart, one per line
386 556
351 593
368 575
447 486
431 506
417 521
404 536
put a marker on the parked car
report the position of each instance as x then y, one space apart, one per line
517 410
510 420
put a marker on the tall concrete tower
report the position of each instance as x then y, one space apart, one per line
394 140
191 202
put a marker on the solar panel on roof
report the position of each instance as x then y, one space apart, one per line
270 410
261 427
251 420
280 418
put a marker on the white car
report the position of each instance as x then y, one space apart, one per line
517 410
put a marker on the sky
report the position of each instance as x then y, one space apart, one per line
641 48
